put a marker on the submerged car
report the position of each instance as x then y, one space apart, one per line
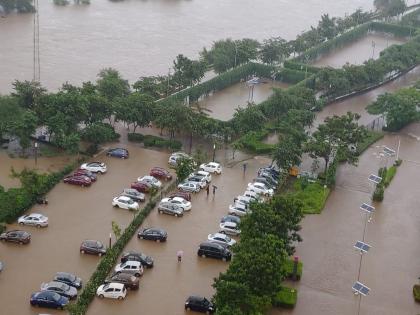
145 260
129 281
159 172
112 290
211 167
133 194
189 187
230 218
182 194
69 279
118 152
94 167
16 236
92 247
35 219
199 304
150 180
142 187
214 250
153 234
181 202
230 228
82 180
124 202
87 173
49 299
131 267
170 208
60 288
221 238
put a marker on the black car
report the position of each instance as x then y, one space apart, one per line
214 250
199 304
69 279
16 236
92 247
129 281
145 260
118 152
153 234
230 218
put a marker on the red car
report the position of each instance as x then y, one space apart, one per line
160 173
141 187
86 173
185 195
78 180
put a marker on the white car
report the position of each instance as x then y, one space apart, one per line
201 181
211 167
204 174
35 219
221 238
230 228
181 202
253 195
175 156
189 187
238 209
260 187
94 167
151 180
132 267
244 200
125 202
112 290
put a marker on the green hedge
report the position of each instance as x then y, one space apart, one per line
300 66
313 195
289 265
390 173
372 137
411 19
154 141
291 76
252 142
286 297
416 292
15 201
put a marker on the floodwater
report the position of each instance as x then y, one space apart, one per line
141 38
390 268
358 52
223 104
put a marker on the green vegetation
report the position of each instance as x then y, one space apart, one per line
371 138
252 142
15 201
390 8
387 175
312 194
390 173
289 265
184 167
286 298
416 292
412 19
252 281
154 141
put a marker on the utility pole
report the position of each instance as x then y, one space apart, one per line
36 61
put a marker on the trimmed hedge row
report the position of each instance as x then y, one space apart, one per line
289 265
252 142
15 201
286 297
154 141
108 261
300 66
291 76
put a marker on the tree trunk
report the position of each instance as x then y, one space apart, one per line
326 165
191 141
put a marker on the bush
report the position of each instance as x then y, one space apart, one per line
252 142
313 196
390 173
289 265
2 227
331 173
378 194
136 137
416 292
286 297
372 137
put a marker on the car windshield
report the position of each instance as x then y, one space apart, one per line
98 245
64 286
69 277
206 302
55 297
227 238
129 201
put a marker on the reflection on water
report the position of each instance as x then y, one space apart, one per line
358 52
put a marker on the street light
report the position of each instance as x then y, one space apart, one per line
36 152
214 151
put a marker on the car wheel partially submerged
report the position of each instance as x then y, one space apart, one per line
101 296
120 298
82 251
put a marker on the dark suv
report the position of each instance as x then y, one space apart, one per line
16 236
199 304
214 250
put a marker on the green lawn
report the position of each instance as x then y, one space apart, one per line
286 297
313 196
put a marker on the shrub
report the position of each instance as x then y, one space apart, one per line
286 297
289 265
313 196
331 173
2 227
372 137
136 137
154 141
390 173
252 142
378 194
416 292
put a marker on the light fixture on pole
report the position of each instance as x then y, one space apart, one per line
36 152
214 151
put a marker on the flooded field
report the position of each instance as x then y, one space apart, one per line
391 267
358 52
222 104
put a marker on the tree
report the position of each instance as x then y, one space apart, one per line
28 93
338 134
99 132
152 86
116 229
249 118
188 72
10 112
139 110
274 50
24 127
184 167
390 8
287 153
98 107
172 116
111 85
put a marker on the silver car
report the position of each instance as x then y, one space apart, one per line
189 187
170 208
133 194
34 219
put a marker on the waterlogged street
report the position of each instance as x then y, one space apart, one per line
391 267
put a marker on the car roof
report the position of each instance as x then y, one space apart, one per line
38 215
178 199
132 262
124 198
221 235
230 224
155 229
208 243
195 298
116 285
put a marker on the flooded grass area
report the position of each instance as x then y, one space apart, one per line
222 104
358 52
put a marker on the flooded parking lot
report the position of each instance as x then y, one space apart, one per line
358 52
222 104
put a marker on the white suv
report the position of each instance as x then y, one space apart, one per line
112 290
94 167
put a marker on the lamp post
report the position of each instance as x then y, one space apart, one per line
214 151
110 239
36 152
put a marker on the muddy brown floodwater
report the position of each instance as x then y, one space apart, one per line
356 53
390 268
141 38
222 104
